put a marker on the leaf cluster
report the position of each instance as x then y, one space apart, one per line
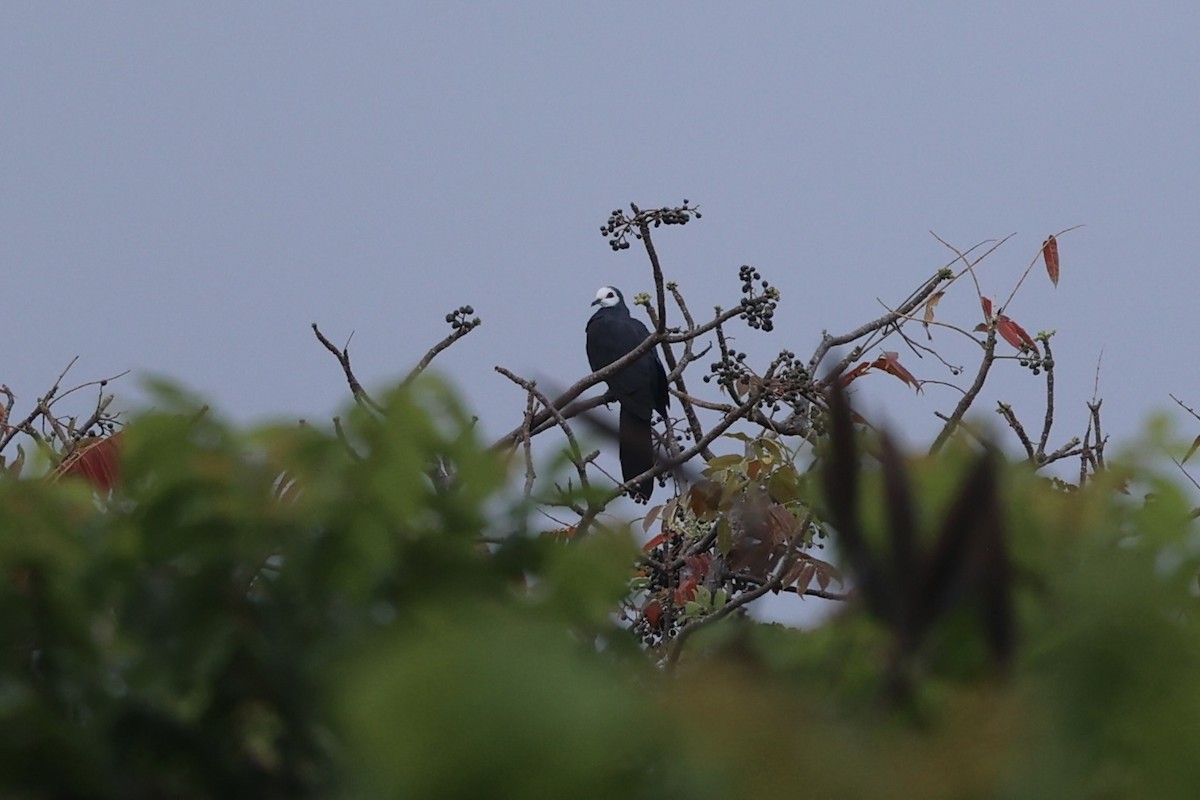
293 612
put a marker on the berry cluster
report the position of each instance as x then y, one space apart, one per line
104 427
790 382
758 310
729 370
461 317
1036 363
657 584
619 227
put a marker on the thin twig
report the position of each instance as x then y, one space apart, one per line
341 435
343 356
985 366
1005 410
576 453
527 446
1048 422
1029 268
425 361
829 341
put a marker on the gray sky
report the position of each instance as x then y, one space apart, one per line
185 187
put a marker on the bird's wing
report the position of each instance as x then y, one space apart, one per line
641 386
659 396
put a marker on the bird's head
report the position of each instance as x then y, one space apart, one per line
607 297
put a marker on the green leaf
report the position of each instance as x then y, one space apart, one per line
724 535
723 462
784 485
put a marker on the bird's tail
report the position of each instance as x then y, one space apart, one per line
637 451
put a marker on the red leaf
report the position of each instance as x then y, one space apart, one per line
987 308
686 591
653 613
95 461
699 565
859 370
1050 256
800 576
889 362
1014 334
826 573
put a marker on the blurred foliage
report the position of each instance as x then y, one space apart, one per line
296 612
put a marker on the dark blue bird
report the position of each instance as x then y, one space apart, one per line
640 388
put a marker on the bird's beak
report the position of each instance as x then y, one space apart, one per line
596 302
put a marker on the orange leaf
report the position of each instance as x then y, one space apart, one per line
987 308
561 534
1014 334
1050 256
655 542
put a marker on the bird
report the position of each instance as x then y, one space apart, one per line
640 388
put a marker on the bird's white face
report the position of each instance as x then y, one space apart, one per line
606 297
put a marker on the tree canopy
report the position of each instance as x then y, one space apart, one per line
379 607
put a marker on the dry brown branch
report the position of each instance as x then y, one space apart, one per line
343 356
1048 421
1185 407
1005 410
829 341
527 447
964 403
66 432
574 451
461 324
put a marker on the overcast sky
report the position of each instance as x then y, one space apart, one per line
184 187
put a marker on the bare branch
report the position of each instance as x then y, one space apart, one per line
461 323
985 366
343 356
828 341
1048 422
1005 410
